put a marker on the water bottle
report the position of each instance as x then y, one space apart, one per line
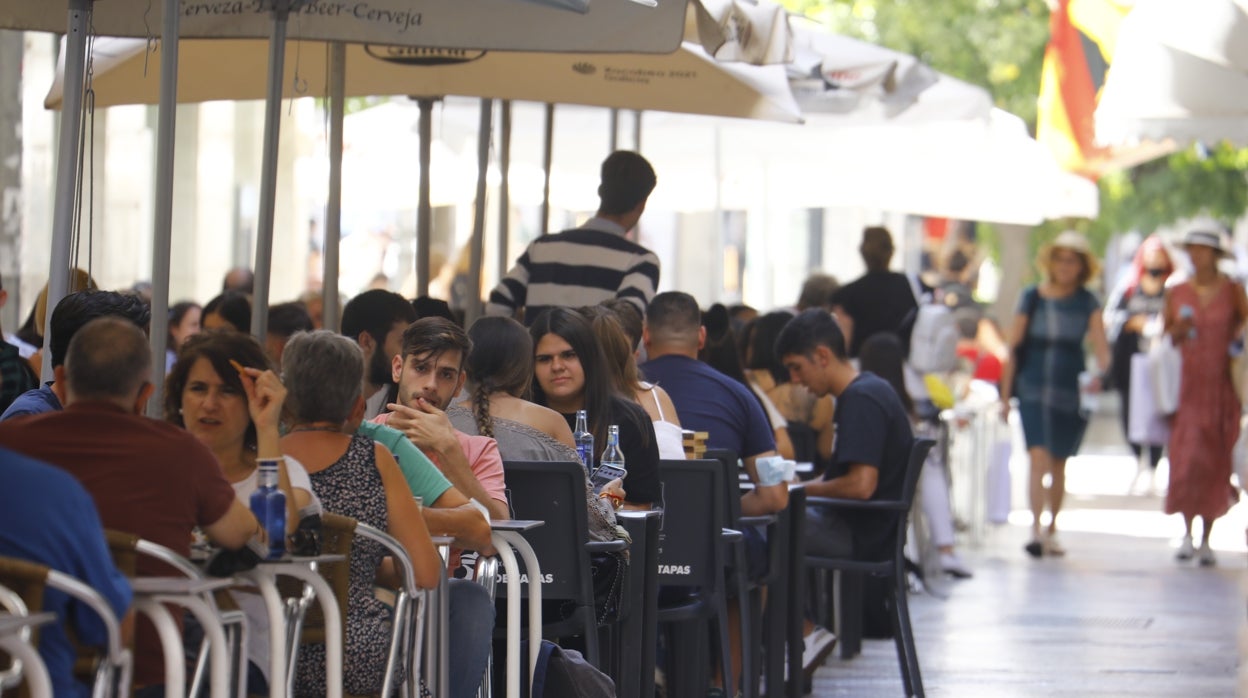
268 503
584 440
612 464
1187 312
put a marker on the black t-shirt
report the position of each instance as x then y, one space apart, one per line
872 428
641 451
877 302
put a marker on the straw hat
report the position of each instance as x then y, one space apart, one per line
1208 237
1075 242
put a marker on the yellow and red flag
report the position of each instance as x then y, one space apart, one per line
1080 49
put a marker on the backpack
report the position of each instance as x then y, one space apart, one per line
562 672
933 339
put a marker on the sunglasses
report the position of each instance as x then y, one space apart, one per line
1157 273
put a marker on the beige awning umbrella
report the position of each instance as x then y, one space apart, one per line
686 81
1180 71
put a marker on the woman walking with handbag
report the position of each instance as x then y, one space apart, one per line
1043 372
1204 316
1130 320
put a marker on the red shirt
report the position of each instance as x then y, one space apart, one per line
147 477
985 366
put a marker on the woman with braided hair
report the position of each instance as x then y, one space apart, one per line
500 371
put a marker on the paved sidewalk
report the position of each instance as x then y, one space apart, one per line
1118 616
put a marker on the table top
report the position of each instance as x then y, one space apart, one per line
12 624
634 514
177 585
515 524
303 560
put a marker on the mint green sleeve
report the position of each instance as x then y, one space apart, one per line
423 477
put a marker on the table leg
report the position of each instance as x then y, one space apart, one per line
505 553
333 625
534 571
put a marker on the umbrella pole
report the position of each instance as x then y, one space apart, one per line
637 131
504 188
268 173
66 165
615 131
163 230
478 223
333 207
547 159
424 209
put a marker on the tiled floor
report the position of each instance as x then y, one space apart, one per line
1116 617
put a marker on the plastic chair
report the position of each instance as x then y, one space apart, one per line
112 671
555 492
692 556
894 568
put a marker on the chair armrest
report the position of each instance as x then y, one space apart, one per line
611 546
760 520
859 504
732 535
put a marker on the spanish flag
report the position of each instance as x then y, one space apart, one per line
1080 49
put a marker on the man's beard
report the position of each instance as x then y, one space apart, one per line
379 369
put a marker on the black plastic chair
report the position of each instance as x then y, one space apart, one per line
692 553
894 568
554 492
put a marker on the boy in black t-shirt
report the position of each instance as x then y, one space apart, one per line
873 438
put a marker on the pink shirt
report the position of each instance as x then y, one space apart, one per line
483 458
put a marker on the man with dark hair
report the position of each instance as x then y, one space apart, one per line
285 320
873 438
877 301
240 279
146 476
592 263
726 410
430 372
70 315
376 320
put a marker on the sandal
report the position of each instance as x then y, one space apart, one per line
1035 549
1053 548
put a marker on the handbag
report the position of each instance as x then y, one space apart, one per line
1031 299
1146 424
1166 368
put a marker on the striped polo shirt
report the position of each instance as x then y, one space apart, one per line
575 268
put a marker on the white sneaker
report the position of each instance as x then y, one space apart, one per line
1186 549
1206 556
817 646
953 566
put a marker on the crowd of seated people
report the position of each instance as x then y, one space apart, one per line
402 404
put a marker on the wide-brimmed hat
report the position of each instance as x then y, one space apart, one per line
1208 237
1075 242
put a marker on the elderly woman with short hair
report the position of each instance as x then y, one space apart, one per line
355 477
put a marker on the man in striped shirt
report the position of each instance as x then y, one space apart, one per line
592 263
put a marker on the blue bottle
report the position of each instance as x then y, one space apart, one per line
584 440
268 503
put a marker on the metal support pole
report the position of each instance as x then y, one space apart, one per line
424 208
477 252
504 189
333 207
268 170
66 166
637 131
162 231
615 131
547 158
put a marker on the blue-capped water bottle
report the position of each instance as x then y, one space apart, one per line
268 503
584 440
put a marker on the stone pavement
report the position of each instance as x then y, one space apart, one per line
1118 616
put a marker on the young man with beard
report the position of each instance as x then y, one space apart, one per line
376 320
429 371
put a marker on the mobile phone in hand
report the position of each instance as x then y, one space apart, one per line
604 474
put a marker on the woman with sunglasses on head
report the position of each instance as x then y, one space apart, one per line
1132 322
571 374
